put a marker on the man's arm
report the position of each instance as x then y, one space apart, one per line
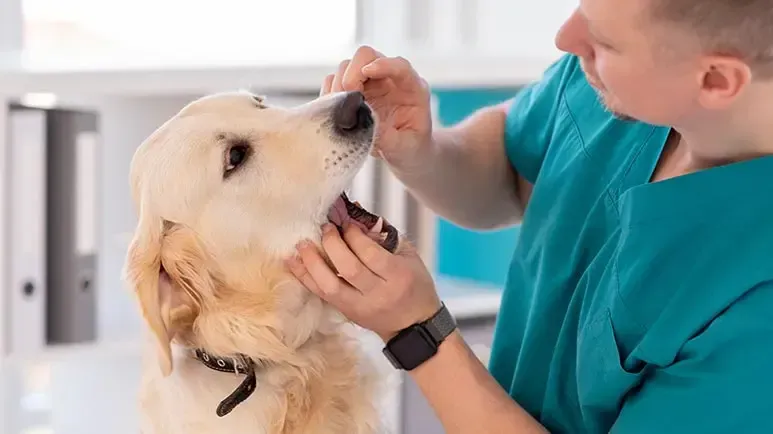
479 173
466 177
465 396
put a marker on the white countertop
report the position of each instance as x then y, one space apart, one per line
127 74
469 300
77 390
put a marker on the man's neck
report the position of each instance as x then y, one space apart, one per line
717 142
699 152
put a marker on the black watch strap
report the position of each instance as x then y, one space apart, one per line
441 324
416 344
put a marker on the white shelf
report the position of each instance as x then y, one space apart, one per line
127 75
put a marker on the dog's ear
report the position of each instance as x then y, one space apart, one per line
166 267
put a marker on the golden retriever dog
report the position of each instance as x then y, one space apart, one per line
225 190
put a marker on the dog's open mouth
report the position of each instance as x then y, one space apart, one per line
345 212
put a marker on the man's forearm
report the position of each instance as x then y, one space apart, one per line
465 397
466 177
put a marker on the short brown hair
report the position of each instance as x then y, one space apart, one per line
740 28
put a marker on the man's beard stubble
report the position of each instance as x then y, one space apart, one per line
603 100
608 107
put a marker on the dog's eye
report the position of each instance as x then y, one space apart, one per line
236 156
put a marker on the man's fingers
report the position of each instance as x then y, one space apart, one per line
302 274
375 257
353 78
349 266
398 69
327 85
336 86
319 270
330 288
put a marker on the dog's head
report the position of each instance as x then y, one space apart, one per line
225 189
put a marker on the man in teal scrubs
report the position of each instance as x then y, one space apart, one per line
639 293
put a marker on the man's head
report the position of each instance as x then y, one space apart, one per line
672 62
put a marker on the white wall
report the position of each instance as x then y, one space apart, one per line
490 27
521 27
10 25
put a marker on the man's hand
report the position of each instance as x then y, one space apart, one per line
378 290
385 293
399 97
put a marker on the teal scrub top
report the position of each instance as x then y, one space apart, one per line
633 307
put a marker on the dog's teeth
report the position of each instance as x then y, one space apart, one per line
378 226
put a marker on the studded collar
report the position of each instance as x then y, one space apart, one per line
239 365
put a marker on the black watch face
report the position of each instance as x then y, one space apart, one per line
412 347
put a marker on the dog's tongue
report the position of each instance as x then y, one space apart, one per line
340 217
338 214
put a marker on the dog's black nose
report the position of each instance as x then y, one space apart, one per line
352 114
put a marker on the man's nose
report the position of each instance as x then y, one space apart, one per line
572 37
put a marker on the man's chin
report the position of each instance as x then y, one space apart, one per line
622 116
610 107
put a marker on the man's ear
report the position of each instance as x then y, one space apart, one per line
166 268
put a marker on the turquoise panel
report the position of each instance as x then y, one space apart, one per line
479 256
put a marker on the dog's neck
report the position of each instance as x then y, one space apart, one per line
245 367
249 363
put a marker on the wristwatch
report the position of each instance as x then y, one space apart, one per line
416 344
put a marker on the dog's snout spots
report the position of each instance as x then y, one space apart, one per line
338 161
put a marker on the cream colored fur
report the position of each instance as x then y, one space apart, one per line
226 290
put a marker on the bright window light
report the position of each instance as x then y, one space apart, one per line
206 29
42 100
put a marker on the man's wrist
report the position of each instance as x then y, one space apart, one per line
418 164
386 336
452 343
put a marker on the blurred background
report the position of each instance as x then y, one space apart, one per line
83 82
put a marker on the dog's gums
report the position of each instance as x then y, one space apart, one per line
345 212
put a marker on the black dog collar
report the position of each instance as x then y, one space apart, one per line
240 366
